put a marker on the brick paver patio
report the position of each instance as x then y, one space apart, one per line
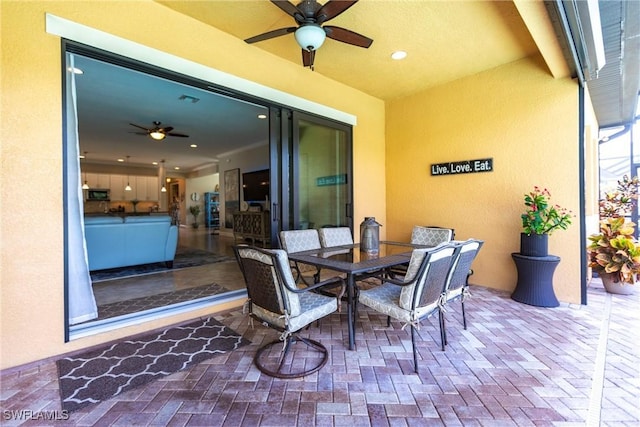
516 365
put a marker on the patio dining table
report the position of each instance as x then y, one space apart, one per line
349 259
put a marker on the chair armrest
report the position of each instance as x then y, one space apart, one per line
326 282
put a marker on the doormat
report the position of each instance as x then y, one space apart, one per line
185 258
101 374
136 305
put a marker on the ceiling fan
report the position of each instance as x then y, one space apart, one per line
310 34
159 133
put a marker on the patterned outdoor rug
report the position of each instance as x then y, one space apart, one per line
185 257
103 373
137 305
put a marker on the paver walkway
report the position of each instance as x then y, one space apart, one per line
516 365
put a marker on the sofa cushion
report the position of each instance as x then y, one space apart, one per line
147 219
96 220
116 242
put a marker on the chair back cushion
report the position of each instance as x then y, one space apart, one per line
430 236
335 236
427 275
462 265
267 276
299 240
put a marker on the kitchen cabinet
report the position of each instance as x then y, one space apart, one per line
153 188
140 189
117 187
98 180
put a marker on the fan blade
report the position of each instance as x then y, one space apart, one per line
347 36
331 9
140 127
180 135
290 9
140 133
270 34
308 57
166 130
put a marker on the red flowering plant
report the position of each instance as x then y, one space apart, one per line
541 217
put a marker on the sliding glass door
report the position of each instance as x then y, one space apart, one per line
318 174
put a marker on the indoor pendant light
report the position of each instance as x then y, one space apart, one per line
85 186
128 187
164 187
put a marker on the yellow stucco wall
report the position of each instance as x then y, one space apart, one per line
517 114
527 122
31 263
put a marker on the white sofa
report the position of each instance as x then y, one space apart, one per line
113 241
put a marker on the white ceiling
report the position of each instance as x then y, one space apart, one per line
111 97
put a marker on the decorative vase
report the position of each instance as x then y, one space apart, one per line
536 245
616 287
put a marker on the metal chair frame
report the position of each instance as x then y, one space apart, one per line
267 287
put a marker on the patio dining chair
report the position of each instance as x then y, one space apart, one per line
457 286
424 235
297 241
335 236
431 236
277 302
419 294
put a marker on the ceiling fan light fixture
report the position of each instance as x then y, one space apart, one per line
310 36
157 135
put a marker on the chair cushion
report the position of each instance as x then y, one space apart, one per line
385 299
299 240
335 236
430 236
312 307
406 295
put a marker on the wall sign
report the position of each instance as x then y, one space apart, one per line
331 180
465 166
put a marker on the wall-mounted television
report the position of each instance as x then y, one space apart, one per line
255 186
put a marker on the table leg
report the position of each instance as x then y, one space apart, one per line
351 310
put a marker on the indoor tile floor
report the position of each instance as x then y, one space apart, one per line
225 274
516 365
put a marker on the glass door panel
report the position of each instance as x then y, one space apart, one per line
321 160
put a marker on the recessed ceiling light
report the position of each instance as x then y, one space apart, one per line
194 146
262 116
81 156
154 163
75 70
177 168
398 55
121 160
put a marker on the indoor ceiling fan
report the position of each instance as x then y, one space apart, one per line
310 34
159 133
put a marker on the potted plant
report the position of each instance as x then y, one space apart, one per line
540 219
614 253
195 211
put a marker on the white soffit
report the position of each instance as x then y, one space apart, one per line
90 36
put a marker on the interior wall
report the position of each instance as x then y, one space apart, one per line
527 122
32 257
